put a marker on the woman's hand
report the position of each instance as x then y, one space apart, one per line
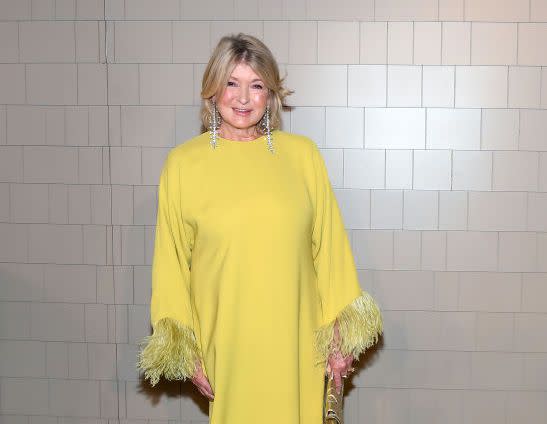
200 381
338 367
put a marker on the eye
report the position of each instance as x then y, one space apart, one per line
258 86
231 84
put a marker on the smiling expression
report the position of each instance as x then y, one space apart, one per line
243 102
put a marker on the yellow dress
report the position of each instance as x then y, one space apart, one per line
251 267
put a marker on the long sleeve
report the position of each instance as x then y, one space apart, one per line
342 300
171 350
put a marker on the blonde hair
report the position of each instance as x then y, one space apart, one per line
230 51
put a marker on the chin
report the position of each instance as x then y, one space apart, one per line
242 123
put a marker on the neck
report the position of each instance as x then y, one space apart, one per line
241 134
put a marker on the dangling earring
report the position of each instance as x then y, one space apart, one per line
214 124
267 128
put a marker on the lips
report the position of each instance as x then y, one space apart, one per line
242 112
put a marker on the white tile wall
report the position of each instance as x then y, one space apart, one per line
344 127
303 45
485 39
531 43
481 86
456 43
431 118
373 42
472 170
438 86
432 170
338 42
427 43
400 41
394 128
386 209
456 129
366 168
404 88
524 86
367 85
500 129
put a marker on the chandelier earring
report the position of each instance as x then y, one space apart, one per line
266 128
214 124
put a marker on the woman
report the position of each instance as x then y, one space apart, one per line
254 289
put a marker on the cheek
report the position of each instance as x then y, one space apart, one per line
226 98
259 99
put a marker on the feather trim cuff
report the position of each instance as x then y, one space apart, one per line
359 325
171 351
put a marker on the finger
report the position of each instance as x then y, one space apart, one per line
202 387
205 393
349 361
209 389
337 382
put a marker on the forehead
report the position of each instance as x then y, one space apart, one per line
244 71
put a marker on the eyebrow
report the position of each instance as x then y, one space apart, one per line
256 79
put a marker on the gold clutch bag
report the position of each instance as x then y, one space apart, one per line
333 404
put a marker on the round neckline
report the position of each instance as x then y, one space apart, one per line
257 140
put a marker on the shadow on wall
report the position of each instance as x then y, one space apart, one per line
173 389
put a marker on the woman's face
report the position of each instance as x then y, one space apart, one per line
243 102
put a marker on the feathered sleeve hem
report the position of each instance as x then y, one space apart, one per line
359 325
171 351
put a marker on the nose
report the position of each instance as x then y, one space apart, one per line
244 94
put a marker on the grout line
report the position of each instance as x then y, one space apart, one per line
541 69
317 42
139 84
471 43
441 62
454 91
387 49
451 169
6 123
99 42
347 85
385 169
481 135
498 251
492 160
413 42
19 42
518 132
507 88
538 171
517 52
438 210
75 49
426 113
422 88
113 30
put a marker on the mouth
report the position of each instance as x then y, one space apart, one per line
241 112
